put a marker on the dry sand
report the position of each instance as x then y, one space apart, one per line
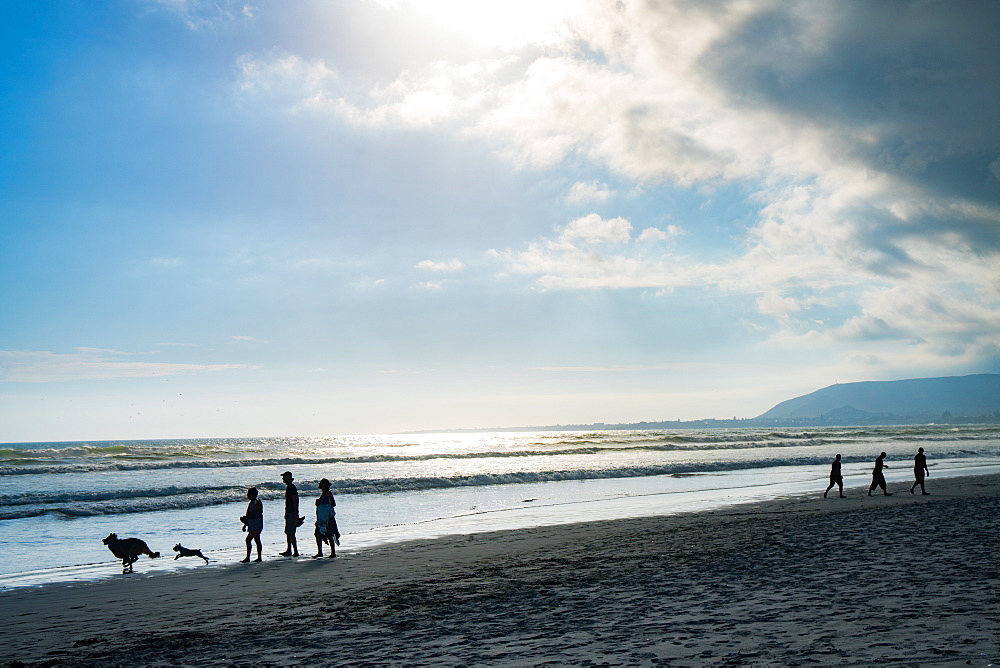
904 580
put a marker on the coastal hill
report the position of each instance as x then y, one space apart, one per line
919 399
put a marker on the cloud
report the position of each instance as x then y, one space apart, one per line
654 234
286 80
594 229
205 15
432 286
451 265
865 135
23 366
368 283
588 193
773 304
593 253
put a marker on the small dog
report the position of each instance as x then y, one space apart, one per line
187 552
128 550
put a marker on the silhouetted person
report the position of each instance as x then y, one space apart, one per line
253 523
292 520
878 478
326 521
835 477
919 469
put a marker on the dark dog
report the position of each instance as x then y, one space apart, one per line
187 552
128 550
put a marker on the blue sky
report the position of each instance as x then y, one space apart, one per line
366 216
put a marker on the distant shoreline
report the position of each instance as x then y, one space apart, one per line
949 400
737 423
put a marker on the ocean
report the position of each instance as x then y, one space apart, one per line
59 500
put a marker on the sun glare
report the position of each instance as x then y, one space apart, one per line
505 24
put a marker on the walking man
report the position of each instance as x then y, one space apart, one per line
835 477
919 469
878 478
292 520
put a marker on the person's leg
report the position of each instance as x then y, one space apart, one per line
319 544
256 539
840 484
293 544
249 538
828 488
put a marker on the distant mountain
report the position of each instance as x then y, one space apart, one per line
928 398
955 399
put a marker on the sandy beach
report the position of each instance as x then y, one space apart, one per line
905 580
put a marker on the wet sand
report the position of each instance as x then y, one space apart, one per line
906 580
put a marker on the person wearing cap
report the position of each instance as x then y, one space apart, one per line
292 519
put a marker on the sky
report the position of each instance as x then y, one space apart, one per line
267 218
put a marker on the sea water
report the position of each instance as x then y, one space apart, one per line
58 500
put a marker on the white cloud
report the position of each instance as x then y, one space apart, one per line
844 168
588 193
443 93
492 24
205 15
287 80
773 304
594 229
368 283
593 253
452 265
654 234
24 366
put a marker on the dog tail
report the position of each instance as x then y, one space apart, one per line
154 555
